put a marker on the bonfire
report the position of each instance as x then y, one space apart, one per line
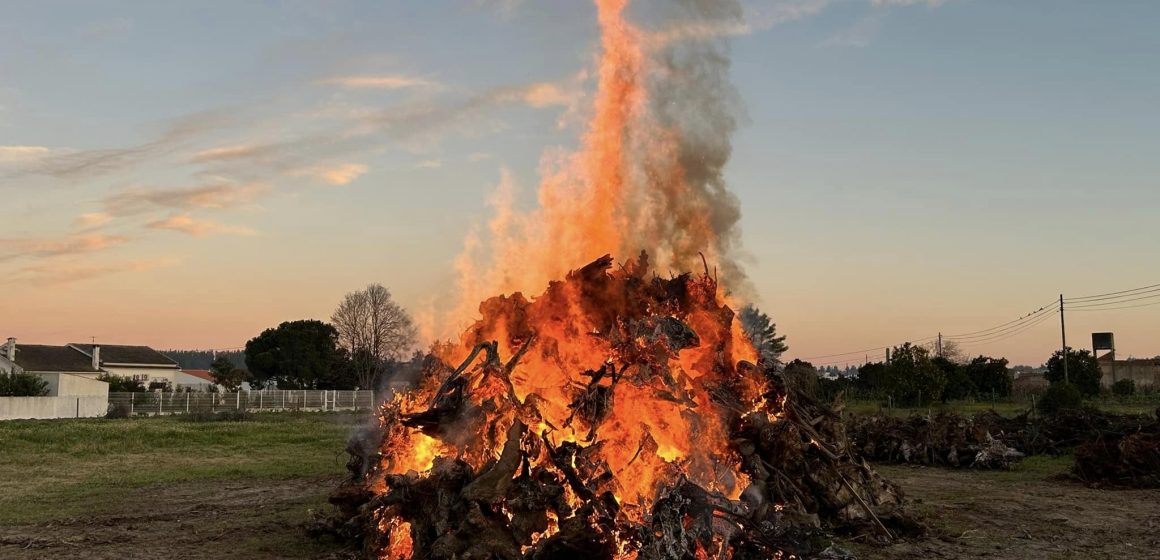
617 415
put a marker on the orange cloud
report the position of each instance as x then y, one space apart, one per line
335 175
71 245
91 220
56 273
218 196
226 153
389 81
197 228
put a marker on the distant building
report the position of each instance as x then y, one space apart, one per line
1143 371
67 371
134 362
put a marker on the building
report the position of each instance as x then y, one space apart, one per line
1145 371
134 362
67 371
196 379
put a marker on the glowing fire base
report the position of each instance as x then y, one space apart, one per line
618 415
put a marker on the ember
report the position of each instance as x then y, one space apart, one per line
618 415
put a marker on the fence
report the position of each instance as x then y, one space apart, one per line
155 403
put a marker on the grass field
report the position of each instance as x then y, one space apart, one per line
122 473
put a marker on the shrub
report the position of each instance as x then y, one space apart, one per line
22 385
118 384
1060 396
1124 388
117 410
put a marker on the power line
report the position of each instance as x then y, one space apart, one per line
1117 302
863 351
1045 311
982 332
1010 334
1122 307
1104 296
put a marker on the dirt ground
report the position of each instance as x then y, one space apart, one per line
243 519
1001 515
972 514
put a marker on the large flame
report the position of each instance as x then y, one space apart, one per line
648 175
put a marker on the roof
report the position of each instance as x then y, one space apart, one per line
200 374
45 358
127 355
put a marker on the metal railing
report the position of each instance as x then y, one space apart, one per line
159 403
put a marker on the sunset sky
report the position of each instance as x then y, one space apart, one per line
186 174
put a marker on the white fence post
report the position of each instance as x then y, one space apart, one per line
187 403
160 401
239 399
283 399
132 401
261 400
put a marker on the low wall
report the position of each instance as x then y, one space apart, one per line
12 408
1142 372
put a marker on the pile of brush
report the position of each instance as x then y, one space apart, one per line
527 495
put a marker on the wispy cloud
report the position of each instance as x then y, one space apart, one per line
217 196
429 164
55 273
91 163
387 81
334 175
857 36
478 156
546 94
91 220
198 228
226 153
759 19
931 3
21 154
51 247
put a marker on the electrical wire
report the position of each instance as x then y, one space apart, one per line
1041 312
984 331
1110 295
806 358
1010 334
1070 307
1121 307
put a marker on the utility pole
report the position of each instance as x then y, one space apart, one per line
938 346
1063 336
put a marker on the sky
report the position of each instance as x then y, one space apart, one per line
184 175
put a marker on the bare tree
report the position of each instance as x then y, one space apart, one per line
374 330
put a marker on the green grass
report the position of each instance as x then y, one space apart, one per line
53 469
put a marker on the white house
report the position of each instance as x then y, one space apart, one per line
68 372
134 362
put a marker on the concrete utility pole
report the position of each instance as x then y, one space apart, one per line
938 346
1063 336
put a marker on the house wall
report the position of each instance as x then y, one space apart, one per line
74 385
1143 372
193 382
13 408
155 374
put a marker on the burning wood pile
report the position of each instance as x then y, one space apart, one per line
618 415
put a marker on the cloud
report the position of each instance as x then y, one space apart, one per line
47 247
930 3
91 163
429 164
478 156
217 196
388 81
56 273
226 153
334 175
91 220
21 154
546 94
188 225
506 8
759 20
857 36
